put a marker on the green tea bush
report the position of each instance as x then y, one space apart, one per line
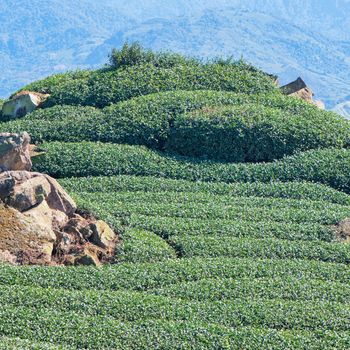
54 82
167 227
328 215
123 183
287 288
68 123
101 332
105 87
134 54
252 133
141 73
142 246
145 276
208 246
127 306
248 128
328 166
7 343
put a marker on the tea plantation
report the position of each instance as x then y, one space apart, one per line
226 195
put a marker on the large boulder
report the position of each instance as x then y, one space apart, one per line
40 224
23 239
22 103
23 190
15 151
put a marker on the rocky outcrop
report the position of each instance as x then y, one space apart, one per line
22 103
298 88
43 224
343 230
15 152
39 222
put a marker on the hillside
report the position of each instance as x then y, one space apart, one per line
286 38
227 195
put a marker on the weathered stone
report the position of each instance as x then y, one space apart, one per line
343 230
23 190
319 104
298 88
24 238
79 226
59 199
103 236
22 103
26 191
44 227
87 258
15 152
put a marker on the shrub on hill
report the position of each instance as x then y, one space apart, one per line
53 82
135 71
140 246
106 87
264 127
287 190
134 54
251 133
327 166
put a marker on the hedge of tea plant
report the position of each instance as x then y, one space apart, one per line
239 127
327 166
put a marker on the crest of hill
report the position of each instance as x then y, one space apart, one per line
220 110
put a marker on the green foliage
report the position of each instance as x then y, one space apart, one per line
251 133
147 276
327 166
263 248
7 343
225 289
143 246
168 227
292 190
106 332
54 82
211 255
134 54
245 128
220 207
104 87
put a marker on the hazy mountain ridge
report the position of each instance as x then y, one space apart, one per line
283 37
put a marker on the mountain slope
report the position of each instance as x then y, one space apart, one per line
219 248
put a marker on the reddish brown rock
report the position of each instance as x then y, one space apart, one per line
103 236
39 224
23 239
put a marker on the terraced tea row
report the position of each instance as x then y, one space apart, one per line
228 246
132 306
167 227
239 127
283 288
107 333
156 275
291 190
328 166
103 87
104 203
